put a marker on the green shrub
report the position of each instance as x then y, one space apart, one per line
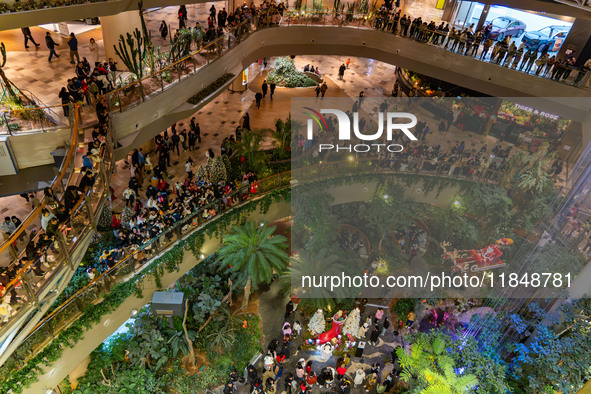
196 99
285 74
403 307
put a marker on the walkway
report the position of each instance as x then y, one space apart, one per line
29 69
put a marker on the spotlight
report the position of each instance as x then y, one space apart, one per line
133 312
386 196
350 158
457 203
201 256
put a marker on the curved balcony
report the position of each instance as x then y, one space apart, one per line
15 14
165 97
41 273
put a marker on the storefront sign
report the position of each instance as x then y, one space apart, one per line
536 112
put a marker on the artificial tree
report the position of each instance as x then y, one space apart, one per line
351 326
286 74
9 87
317 323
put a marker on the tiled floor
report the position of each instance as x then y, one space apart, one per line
29 69
220 118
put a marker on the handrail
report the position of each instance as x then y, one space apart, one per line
63 169
367 20
178 62
79 222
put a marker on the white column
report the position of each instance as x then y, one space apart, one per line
115 25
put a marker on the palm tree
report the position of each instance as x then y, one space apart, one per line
249 147
254 254
282 133
222 340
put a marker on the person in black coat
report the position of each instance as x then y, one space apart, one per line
229 388
288 309
264 88
51 46
252 373
385 325
272 87
245 122
71 197
86 182
373 338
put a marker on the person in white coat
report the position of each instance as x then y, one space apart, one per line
359 377
94 51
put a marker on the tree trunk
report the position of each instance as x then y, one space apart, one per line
8 86
246 294
189 342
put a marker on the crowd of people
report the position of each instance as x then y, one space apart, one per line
480 43
43 246
465 40
289 368
166 203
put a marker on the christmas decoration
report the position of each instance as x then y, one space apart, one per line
476 259
217 170
201 173
317 324
351 326
106 218
337 323
126 217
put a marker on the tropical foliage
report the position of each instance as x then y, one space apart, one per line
438 364
328 261
559 358
254 254
429 370
248 149
146 358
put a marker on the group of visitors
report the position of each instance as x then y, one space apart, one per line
464 40
265 87
167 203
90 83
42 245
480 43
285 368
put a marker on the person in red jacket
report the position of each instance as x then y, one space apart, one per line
311 379
341 371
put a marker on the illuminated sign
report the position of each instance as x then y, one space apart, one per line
536 112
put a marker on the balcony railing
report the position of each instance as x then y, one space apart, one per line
139 91
29 293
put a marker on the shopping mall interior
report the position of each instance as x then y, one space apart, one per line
184 207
